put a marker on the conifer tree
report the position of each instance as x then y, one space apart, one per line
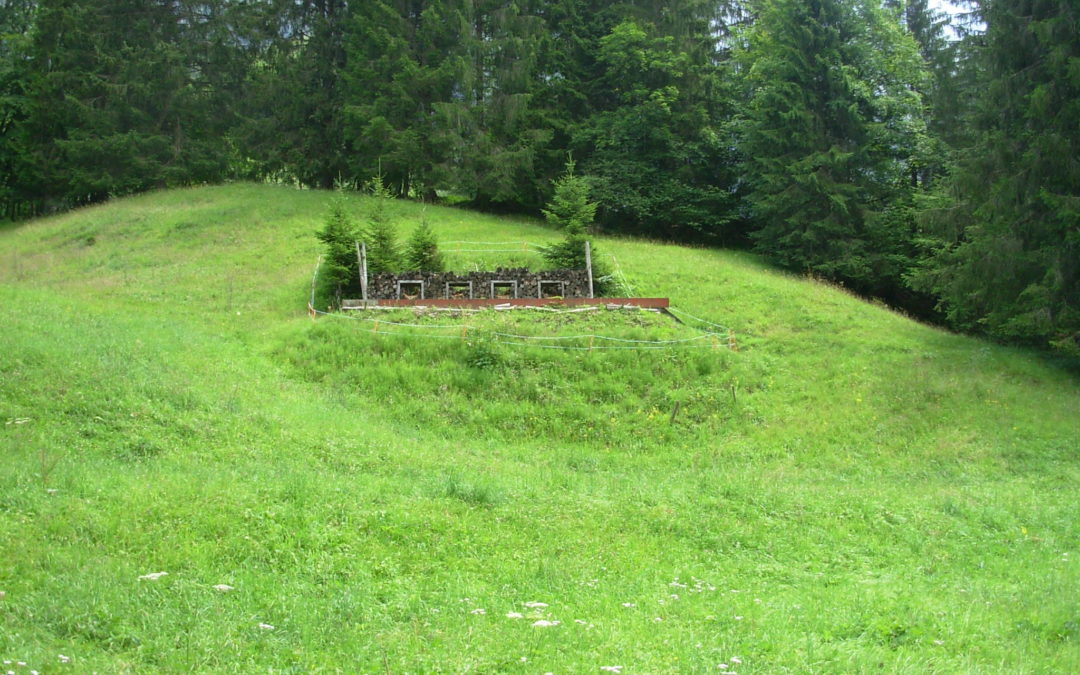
383 254
571 211
492 130
422 250
1006 233
120 99
658 140
832 123
339 234
294 112
400 65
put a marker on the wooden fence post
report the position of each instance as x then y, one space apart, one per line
361 256
588 267
314 278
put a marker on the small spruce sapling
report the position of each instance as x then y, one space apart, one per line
339 234
422 252
571 211
383 254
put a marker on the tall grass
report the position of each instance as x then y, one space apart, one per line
849 492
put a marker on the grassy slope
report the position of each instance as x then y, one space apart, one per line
879 495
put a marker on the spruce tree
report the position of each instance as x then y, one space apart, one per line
828 136
1006 231
120 99
383 254
658 140
404 62
339 234
422 250
571 211
492 131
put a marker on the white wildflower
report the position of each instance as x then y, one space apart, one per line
580 622
153 576
628 604
266 626
674 596
514 615
536 605
658 619
544 623
722 666
735 659
223 588
63 659
738 618
939 642
524 659
51 491
478 610
21 664
611 669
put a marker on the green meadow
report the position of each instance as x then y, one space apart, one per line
849 491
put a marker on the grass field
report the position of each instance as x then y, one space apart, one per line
849 492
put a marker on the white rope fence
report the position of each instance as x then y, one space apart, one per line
716 340
496 243
506 247
678 312
526 340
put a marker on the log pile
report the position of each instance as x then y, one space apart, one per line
506 283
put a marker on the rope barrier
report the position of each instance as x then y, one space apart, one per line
464 327
695 318
522 340
487 250
495 243
602 337
594 348
388 323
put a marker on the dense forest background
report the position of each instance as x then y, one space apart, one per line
931 161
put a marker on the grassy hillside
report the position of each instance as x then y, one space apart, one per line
849 492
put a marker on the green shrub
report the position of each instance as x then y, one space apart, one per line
482 352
